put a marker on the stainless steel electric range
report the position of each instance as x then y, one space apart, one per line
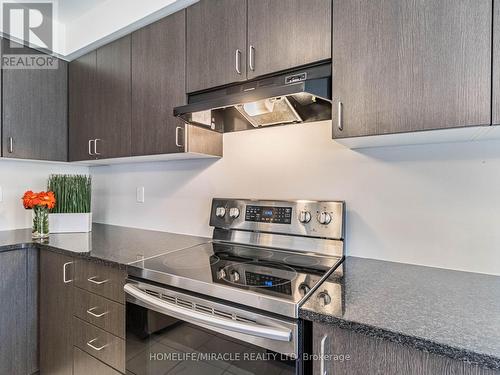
230 306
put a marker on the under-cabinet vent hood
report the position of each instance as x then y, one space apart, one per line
298 96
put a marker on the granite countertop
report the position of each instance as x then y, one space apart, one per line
450 313
106 243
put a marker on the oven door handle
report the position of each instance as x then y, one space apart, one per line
192 316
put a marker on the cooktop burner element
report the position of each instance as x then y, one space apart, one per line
269 255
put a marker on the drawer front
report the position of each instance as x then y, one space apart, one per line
84 364
100 279
100 312
104 346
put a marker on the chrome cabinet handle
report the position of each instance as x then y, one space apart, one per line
91 312
322 365
177 132
193 316
94 281
65 280
340 123
251 58
11 145
96 348
90 147
237 63
95 146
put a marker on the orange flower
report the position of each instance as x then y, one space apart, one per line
42 199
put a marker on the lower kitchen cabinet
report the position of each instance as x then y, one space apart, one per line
18 312
85 364
56 313
344 352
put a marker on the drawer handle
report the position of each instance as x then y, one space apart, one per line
65 279
96 348
97 282
91 312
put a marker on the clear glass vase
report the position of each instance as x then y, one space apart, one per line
40 222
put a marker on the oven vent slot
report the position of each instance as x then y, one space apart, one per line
244 320
184 303
151 292
203 309
168 298
222 314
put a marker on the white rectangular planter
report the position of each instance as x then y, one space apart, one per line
70 223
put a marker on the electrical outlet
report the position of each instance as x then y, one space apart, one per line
140 194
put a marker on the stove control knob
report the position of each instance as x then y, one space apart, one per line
221 274
235 276
324 299
305 217
304 289
234 212
220 211
324 218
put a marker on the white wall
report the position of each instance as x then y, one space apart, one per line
18 176
436 205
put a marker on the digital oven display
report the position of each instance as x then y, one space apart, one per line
274 215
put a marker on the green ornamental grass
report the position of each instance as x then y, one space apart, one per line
73 193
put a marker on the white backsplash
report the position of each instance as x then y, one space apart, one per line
436 205
18 176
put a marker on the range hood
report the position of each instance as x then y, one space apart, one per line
294 97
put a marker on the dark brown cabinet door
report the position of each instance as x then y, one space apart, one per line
13 313
345 352
113 94
216 43
34 116
158 85
56 313
403 66
82 106
284 34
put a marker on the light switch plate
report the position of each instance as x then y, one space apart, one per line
1 194
140 194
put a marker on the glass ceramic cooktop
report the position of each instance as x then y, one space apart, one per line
277 273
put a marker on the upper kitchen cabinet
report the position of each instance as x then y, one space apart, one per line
158 85
284 34
34 118
100 103
82 107
113 110
216 43
405 66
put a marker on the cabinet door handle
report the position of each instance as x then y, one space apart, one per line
91 153
65 279
11 145
251 58
96 348
177 132
340 123
94 280
91 312
95 146
322 366
237 63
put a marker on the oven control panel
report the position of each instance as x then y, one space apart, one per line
323 219
263 214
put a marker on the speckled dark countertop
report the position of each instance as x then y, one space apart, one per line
450 313
106 243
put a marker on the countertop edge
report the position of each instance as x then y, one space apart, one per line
459 354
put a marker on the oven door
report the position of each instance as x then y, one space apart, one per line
170 332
